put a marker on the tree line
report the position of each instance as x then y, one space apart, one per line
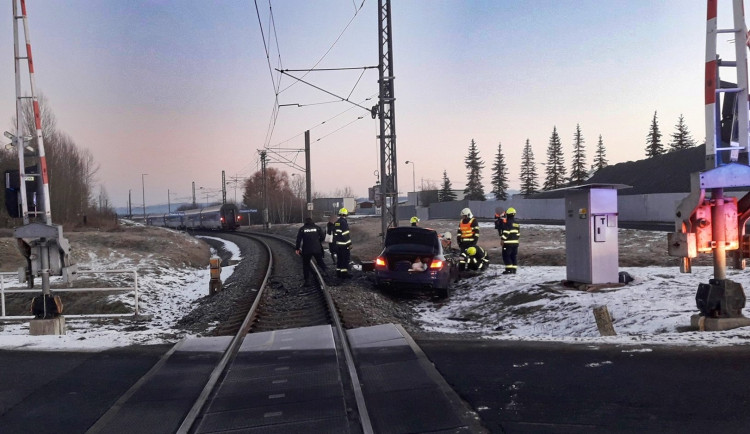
71 170
555 171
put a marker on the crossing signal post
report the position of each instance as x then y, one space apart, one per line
41 242
707 221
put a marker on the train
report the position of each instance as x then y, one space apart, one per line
220 218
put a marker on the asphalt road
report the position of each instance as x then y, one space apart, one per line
514 386
545 387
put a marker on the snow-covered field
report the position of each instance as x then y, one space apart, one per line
165 294
531 305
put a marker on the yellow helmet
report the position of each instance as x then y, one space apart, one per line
510 210
414 220
343 211
471 251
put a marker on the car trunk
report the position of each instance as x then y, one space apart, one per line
409 263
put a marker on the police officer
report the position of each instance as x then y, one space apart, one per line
343 243
309 239
414 221
511 235
468 230
474 258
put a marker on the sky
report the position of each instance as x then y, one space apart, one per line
529 306
183 90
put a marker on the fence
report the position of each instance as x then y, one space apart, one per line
34 292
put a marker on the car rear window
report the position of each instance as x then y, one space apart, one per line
412 235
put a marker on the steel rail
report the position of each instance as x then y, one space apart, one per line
231 351
364 416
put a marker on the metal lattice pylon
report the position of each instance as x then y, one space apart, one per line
387 114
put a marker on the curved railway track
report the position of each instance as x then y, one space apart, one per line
277 306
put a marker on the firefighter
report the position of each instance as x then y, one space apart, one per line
474 258
309 239
343 243
468 230
414 220
511 234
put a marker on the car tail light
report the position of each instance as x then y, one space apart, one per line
436 264
222 219
380 262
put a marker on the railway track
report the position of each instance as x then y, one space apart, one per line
278 306
289 367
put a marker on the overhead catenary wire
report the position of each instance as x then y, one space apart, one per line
323 122
356 12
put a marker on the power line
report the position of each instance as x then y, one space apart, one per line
356 12
325 91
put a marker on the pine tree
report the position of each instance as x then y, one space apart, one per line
600 158
555 170
681 137
500 175
654 146
578 169
446 193
529 181
474 165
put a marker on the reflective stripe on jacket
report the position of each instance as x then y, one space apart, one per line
511 232
341 233
468 231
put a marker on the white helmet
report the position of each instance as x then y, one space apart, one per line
466 212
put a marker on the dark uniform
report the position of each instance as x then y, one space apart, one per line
474 258
310 236
468 232
343 243
511 234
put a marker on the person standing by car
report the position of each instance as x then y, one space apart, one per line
343 243
500 219
330 227
309 239
468 230
511 235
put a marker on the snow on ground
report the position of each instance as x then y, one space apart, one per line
531 305
534 305
165 294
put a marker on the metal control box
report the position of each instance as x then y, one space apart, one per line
591 235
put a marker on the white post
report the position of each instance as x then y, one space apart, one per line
135 285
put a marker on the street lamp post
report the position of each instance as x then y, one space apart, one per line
143 190
413 180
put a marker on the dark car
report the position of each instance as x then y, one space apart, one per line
413 258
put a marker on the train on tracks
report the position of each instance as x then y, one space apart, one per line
220 217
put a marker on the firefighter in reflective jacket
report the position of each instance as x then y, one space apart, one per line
474 258
511 234
468 230
343 243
